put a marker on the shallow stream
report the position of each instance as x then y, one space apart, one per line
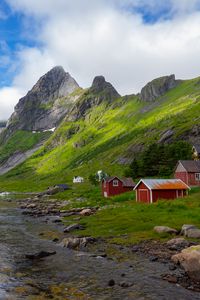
71 274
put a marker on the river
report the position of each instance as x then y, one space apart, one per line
71 274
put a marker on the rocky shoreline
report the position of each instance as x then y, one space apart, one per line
155 251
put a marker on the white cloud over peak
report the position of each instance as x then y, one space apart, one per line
90 38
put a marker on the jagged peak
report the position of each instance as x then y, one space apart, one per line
157 87
99 84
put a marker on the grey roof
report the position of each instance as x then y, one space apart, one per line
127 182
163 184
191 165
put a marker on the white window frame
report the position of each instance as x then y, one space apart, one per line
197 176
115 182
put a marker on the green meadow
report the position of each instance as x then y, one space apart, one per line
123 221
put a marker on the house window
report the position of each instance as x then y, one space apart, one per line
197 176
115 182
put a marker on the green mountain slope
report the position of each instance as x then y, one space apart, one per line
109 135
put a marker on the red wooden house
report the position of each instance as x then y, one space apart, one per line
188 171
113 186
150 190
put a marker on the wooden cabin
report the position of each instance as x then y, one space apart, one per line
151 190
188 171
113 186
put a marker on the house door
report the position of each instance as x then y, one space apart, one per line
143 196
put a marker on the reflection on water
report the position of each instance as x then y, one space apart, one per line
70 274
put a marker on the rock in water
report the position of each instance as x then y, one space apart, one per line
177 244
73 227
158 87
40 254
75 243
42 108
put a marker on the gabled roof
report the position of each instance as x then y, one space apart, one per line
191 165
127 182
197 148
164 184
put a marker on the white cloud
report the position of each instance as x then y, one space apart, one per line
92 37
8 98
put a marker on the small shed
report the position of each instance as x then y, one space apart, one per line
113 186
188 171
151 190
78 179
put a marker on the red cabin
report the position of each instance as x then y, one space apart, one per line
188 171
150 190
113 186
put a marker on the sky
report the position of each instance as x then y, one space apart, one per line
130 42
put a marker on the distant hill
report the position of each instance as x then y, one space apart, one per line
98 129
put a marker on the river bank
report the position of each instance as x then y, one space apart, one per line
120 272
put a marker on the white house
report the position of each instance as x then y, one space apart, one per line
78 179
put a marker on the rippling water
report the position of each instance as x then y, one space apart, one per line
71 274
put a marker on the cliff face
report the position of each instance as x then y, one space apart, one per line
100 91
45 104
158 87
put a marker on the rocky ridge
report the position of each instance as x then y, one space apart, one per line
100 91
44 105
158 87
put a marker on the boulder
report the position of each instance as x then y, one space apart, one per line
165 229
189 259
72 227
75 242
187 227
86 212
40 254
177 244
193 233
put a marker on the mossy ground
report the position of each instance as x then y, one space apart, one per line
123 221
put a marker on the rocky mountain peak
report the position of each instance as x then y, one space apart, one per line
100 91
54 84
100 85
158 87
41 109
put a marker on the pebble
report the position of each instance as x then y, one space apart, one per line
111 282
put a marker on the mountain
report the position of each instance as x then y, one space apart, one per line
46 103
102 130
36 115
158 87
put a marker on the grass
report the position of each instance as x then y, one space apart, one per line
124 221
107 135
21 141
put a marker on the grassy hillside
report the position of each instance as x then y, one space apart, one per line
21 141
108 136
